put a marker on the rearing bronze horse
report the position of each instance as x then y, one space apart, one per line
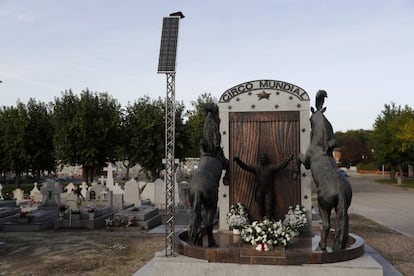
205 182
334 190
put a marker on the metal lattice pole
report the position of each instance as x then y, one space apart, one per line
170 165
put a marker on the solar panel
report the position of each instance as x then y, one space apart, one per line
168 49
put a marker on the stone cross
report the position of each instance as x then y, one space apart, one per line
109 176
102 180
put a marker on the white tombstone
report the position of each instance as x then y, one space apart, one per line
117 190
70 200
35 194
110 176
84 189
102 180
18 194
148 192
69 188
131 193
1 193
159 193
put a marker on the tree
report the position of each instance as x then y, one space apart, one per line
391 145
354 146
14 123
87 130
39 138
195 123
143 135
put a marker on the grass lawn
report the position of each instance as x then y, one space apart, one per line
406 182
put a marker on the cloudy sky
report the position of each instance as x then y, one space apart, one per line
360 51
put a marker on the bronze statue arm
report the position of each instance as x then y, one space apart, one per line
283 165
244 166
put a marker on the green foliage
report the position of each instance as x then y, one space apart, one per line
369 166
143 134
354 146
14 123
39 138
391 145
87 130
406 183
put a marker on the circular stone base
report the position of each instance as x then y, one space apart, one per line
302 250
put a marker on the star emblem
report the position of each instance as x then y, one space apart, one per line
263 95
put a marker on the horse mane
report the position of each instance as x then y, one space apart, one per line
211 139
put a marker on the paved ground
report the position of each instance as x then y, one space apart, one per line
389 205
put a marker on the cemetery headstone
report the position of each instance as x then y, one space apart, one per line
51 191
69 188
110 176
84 189
18 194
35 194
131 194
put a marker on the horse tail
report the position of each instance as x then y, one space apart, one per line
342 227
196 235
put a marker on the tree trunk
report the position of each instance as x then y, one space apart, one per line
392 173
17 180
400 174
410 170
127 173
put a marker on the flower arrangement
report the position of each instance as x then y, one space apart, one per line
237 217
266 232
296 219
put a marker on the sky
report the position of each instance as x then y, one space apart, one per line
360 51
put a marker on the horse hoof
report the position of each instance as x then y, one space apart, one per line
213 245
319 248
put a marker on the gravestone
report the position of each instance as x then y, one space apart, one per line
131 194
110 176
84 189
51 191
1 193
71 200
42 217
159 193
70 187
264 116
18 195
148 192
35 194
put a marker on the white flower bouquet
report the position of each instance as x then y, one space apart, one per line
237 217
296 219
266 232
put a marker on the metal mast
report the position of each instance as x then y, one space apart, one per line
166 64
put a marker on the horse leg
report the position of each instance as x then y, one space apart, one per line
196 236
211 213
325 214
342 227
303 159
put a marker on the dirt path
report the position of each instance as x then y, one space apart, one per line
121 252
125 250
